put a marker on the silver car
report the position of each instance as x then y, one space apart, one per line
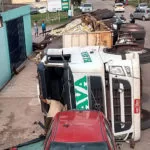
143 14
142 6
86 7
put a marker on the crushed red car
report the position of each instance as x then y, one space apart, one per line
80 130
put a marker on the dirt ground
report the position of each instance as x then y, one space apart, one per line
20 109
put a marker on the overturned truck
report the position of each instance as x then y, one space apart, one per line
96 79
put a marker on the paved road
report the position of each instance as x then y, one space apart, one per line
145 140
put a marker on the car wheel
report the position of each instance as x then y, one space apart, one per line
139 35
143 18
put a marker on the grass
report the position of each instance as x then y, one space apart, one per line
135 2
50 18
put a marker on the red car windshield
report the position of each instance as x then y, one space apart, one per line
78 146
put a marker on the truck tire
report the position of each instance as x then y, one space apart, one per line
124 49
132 26
141 43
139 35
136 33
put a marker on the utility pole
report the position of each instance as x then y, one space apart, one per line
2 5
72 8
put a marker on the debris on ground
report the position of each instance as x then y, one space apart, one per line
86 23
37 58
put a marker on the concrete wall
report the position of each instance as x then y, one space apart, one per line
18 12
28 34
5 71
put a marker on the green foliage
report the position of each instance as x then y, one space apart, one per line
135 2
77 10
76 2
50 18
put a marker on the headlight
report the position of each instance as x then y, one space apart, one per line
118 70
128 71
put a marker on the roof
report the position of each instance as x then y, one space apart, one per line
79 126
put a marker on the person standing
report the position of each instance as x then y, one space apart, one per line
43 28
132 20
69 14
35 29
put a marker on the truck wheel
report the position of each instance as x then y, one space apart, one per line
143 18
139 34
136 33
140 43
132 26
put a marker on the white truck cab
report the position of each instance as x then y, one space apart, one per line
91 78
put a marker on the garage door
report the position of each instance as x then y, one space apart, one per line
16 42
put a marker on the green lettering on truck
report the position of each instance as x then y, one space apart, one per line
81 93
86 57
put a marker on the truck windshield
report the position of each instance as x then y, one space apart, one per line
144 4
87 5
78 146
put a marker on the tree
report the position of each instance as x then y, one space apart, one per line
2 5
76 2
